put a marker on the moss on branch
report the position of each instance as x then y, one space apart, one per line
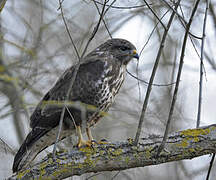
186 144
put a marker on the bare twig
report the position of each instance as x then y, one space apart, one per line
178 15
105 25
95 29
2 4
71 117
71 83
182 20
201 84
194 41
201 66
92 176
67 29
153 84
210 166
95 2
178 78
149 37
115 175
153 75
159 19
122 7
213 13
6 147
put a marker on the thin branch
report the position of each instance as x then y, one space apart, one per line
115 175
2 4
201 66
159 19
95 2
210 167
109 6
95 29
122 7
201 84
153 75
105 25
6 147
178 77
149 37
67 29
213 13
182 20
70 87
92 176
190 35
159 85
174 10
195 41
71 117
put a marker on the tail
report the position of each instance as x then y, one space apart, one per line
29 149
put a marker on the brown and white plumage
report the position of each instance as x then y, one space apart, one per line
98 80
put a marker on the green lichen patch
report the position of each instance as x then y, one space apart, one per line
195 132
148 153
130 141
21 174
192 135
196 139
127 159
87 150
61 170
117 152
183 144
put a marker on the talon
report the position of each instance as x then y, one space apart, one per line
89 143
82 143
93 141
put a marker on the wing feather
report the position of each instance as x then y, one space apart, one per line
47 113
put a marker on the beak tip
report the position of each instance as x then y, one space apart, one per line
136 56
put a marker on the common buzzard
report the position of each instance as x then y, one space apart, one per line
98 80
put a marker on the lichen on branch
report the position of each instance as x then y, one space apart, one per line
186 144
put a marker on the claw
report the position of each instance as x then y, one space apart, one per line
91 142
82 143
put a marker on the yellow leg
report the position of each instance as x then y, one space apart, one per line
89 134
81 141
91 139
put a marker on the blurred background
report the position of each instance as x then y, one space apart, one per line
35 49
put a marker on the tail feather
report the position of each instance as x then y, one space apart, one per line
27 153
36 141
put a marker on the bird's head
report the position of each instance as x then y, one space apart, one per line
121 49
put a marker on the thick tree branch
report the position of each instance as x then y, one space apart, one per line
181 145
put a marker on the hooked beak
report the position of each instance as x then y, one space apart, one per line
135 54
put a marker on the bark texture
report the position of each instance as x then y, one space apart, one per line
186 144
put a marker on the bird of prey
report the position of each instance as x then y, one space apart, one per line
97 80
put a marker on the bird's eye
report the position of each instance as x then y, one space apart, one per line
123 48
